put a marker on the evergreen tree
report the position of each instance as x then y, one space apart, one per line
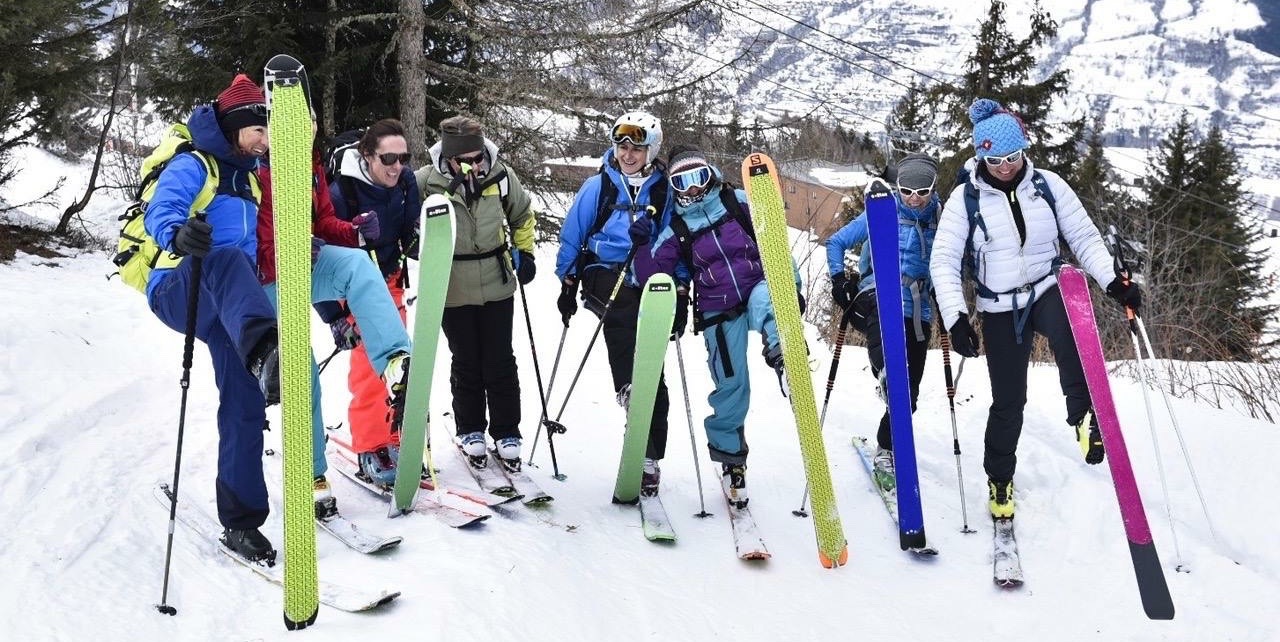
47 57
1001 67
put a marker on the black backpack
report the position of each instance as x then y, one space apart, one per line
686 237
331 158
608 203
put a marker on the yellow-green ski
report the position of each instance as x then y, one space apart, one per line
290 131
768 216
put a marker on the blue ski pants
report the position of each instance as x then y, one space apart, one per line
727 358
345 273
232 316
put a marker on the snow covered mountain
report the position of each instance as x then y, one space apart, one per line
1140 61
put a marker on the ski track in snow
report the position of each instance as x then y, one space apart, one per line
89 392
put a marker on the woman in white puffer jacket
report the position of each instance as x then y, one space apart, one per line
1015 248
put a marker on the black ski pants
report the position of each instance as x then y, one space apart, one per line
917 352
483 372
620 341
1007 361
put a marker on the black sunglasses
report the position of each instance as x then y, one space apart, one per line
391 158
470 160
257 109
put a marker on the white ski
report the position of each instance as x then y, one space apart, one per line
657 528
431 504
488 476
343 598
1006 566
888 495
347 532
529 490
746 536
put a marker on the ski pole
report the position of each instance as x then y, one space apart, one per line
555 366
613 296
945 340
188 347
693 441
822 419
553 427
324 364
1151 423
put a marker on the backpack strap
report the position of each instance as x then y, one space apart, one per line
347 188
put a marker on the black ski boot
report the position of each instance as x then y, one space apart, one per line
264 365
250 544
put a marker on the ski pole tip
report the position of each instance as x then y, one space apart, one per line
166 609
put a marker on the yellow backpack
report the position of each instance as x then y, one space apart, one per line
136 252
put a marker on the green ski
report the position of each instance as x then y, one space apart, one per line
290 131
653 330
435 261
769 218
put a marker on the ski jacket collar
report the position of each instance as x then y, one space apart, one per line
925 214
208 137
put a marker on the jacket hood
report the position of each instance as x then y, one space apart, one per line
208 137
442 165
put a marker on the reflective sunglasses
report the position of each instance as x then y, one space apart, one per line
634 134
391 158
996 161
473 159
921 192
257 109
689 179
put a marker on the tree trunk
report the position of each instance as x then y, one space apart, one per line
330 86
413 81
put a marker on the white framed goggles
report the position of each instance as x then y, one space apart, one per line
920 192
996 161
691 178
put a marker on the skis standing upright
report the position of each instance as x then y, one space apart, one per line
435 262
653 329
1152 586
768 217
882 225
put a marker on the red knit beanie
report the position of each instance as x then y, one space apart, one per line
242 104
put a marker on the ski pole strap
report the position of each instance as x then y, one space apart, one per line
722 346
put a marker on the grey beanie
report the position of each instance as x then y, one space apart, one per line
917 171
460 135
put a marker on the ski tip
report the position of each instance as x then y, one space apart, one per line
298 625
833 562
1008 583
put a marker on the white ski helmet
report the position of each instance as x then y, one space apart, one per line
640 125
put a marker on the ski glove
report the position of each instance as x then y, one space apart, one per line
1125 292
843 291
345 336
803 304
862 310
525 267
568 302
195 237
641 231
368 227
963 339
682 315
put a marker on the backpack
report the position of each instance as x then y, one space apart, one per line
331 158
976 221
137 253
685 237
607 204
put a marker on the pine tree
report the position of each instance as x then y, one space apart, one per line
1001 67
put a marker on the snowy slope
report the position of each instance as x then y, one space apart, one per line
88 393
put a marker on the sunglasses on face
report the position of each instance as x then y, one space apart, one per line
473 159
391 158
634 134
689 179
996 161
920 192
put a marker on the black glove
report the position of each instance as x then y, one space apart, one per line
195 237
525 268
862 310
682 315
412 246
1125 292
345 336
963 339
640 231
842 291
803 304
568 301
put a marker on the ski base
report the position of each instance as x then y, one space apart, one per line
911 543
343 598
451 516
1006 565
653 516
347 532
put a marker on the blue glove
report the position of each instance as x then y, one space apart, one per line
345 336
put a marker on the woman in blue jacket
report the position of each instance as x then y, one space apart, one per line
234 317
918 207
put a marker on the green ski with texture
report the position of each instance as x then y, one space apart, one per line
653 330
290 132
768 216
435 262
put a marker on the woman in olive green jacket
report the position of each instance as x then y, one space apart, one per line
494 223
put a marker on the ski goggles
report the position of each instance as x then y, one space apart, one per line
634 134
996 161
391 158
919 192
691 178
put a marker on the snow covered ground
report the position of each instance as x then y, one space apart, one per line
89 396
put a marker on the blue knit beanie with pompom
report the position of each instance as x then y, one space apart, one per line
996 130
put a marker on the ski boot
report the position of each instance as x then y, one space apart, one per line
264 365
733 480
650 477
250 544
882 469
326 505
507 450
378 467
396 377
1090 439
1000 495
473 446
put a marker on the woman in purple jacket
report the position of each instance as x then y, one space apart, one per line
723 262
